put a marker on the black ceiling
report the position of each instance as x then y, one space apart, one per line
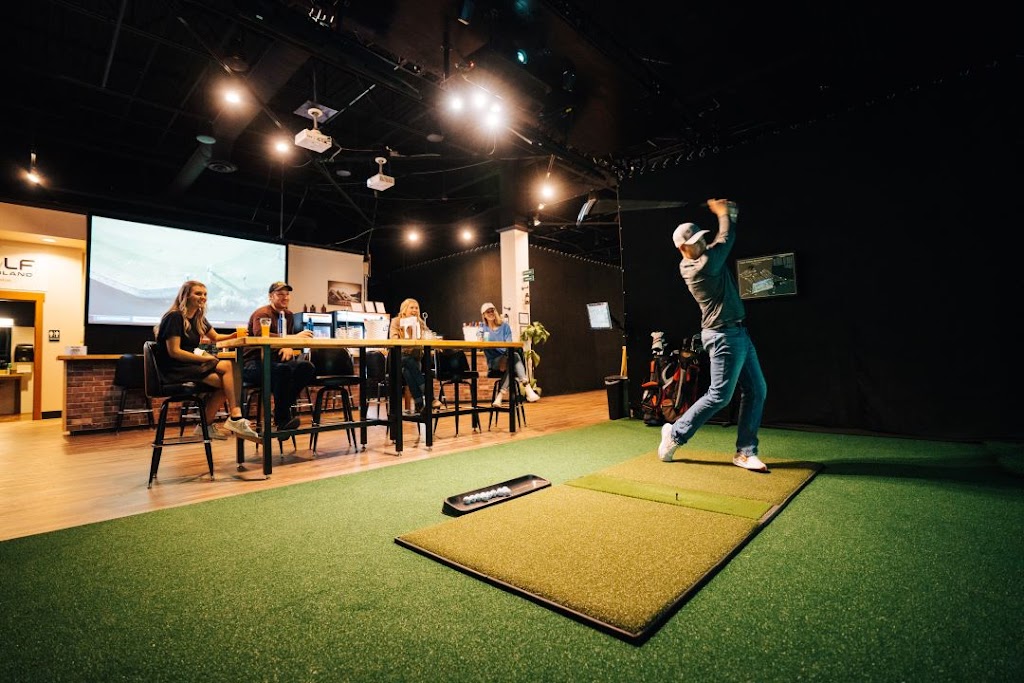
111 96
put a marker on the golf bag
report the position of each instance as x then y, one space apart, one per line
672 387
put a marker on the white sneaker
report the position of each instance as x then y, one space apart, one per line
668 445
531 395
241 427
215 432
749 462
497 401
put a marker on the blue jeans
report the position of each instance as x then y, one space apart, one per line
412 373
733 362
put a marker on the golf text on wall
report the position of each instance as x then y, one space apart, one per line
17 267
21 269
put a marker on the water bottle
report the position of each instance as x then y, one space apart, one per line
309 325
281 329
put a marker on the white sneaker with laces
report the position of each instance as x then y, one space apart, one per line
668 445
749 462
215 432
241 427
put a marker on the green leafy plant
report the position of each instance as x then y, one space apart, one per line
533 335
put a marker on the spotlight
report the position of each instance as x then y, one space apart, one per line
33 175
466 13
522 57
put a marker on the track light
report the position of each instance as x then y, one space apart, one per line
466 13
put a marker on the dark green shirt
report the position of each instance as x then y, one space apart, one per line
712 283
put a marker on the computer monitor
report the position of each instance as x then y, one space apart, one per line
600 316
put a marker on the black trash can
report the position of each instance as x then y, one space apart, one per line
618 396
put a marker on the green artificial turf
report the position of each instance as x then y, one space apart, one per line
580 547
900 561
674 495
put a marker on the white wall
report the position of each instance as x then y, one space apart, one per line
310 269
55 270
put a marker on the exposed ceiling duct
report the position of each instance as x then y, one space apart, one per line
278 64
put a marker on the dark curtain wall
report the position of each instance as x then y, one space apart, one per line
574 359
450 290
903 217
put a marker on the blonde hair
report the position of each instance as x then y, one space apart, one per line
404 307
181 301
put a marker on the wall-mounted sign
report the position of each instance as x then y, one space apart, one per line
22 270
528 275
54 335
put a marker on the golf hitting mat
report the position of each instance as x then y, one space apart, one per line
623 548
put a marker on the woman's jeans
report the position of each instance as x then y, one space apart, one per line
733 363
412 373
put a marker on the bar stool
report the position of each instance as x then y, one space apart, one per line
156 388
252 394
130 376
520 406
335 373
451 368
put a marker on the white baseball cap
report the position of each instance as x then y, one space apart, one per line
687 233
488 306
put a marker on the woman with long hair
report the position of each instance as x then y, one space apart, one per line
408 325
178 337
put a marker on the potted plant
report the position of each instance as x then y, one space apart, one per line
532 336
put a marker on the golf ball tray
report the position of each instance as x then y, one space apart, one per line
501 492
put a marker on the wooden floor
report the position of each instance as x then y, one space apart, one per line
50 481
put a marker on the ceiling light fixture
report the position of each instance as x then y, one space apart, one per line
206 136
33 173
466 13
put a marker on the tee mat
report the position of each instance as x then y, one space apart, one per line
586 548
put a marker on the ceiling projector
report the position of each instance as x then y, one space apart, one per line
380 181
312 139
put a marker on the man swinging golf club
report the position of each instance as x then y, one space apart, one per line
731 353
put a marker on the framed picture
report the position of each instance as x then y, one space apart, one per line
344 294
766 276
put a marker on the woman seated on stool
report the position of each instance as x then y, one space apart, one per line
497 329
178 336
408 325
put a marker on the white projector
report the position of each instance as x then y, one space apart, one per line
312 139
380 182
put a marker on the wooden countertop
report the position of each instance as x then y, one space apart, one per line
319 342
